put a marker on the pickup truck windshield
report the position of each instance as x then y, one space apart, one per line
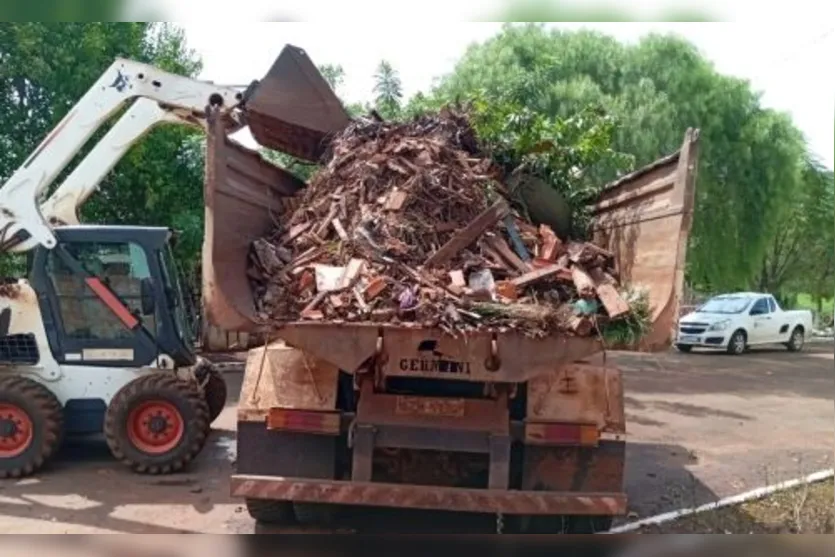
726 304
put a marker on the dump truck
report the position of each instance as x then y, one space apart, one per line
335 417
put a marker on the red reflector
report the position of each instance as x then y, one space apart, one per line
561 434
304 421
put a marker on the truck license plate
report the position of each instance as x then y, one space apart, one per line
422 406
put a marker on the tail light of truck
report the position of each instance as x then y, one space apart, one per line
561 434
304 421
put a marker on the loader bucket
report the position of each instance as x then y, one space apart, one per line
245 196
293 108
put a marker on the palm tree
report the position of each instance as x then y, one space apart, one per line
389 90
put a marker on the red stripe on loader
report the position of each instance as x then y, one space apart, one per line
112 302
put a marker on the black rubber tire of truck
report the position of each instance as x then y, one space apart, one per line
34 413
558 524
316 514
157 400
215 392
268 511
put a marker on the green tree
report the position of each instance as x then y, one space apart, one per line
45 69
333 74
804 248
388 90
654 90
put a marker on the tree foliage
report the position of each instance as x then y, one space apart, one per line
654 90
801 255
45 69
334 74
388 90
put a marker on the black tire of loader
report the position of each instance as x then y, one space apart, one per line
268 511
183 395
47 416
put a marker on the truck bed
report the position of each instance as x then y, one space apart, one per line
644 218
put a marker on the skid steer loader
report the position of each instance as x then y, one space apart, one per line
96 339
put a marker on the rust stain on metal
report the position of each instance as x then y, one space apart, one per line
10 291
472 414
243 195
432 353
428 497
293 109
579 393
580 470
425 406
645 218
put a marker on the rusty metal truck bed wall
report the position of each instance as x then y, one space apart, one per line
645 219
432 353
244 197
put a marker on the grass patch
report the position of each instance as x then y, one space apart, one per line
807 509
805 301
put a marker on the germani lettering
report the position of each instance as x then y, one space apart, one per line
435 366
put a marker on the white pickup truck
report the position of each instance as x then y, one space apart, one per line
733 322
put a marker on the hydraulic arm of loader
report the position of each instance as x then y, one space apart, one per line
22 224
62 206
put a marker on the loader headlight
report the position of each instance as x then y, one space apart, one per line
719 325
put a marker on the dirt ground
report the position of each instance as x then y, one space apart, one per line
701 426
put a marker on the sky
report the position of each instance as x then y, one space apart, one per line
789 62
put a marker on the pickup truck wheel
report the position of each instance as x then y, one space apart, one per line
267 511
738 343
684 347
795 343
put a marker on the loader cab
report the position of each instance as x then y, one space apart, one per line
111 296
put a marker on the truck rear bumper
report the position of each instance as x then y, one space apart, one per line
428 497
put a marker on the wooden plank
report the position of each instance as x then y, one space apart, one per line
340 230
323 225
585 285
373 288
551 244
295 232
501 247
396 200
470 234
537 275
611 300
310 311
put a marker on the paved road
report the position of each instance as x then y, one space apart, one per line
701 426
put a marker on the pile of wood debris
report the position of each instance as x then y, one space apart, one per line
407 224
